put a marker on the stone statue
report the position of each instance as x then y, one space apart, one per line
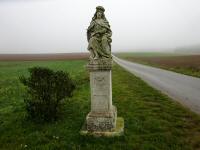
102 119
99 35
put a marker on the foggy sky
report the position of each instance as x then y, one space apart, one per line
59 26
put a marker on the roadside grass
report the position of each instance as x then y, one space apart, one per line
191 71
152 120
183 64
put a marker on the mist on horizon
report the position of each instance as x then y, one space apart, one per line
48 26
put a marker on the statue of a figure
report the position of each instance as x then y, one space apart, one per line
99 35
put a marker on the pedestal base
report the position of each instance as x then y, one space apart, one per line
102 121
117 131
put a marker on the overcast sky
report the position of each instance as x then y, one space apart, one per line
49 26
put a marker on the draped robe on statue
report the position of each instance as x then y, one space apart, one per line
99 38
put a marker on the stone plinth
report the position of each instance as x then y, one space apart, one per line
117 131
101 121
103 115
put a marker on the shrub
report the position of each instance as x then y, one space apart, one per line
45 91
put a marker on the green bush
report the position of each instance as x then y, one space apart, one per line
45 91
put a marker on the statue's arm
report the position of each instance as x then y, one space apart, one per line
89 30
106 29
91 26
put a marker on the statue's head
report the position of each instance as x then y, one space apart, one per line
99 14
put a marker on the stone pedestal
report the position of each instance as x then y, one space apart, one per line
102 118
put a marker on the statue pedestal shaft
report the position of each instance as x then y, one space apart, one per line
103 115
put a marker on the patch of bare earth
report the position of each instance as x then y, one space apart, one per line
57 56
192 61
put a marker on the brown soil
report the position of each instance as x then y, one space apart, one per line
61 56
192 61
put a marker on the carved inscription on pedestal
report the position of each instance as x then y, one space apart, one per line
100 92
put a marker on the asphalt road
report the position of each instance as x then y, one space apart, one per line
182 88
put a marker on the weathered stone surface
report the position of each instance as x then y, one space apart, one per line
103 115
105 121
99 35
101 91
100 64
117 131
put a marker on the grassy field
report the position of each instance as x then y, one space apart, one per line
152 120
185 64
